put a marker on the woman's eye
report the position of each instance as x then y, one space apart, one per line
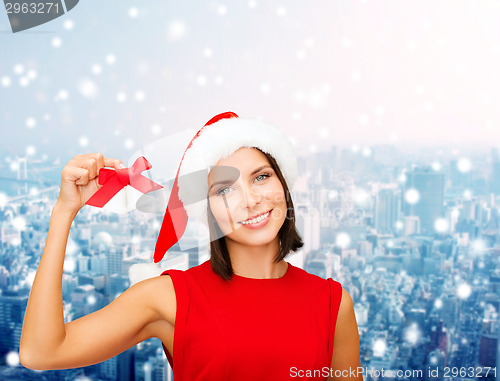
265 175
223 190
218 193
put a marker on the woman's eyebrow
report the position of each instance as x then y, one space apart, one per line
260 168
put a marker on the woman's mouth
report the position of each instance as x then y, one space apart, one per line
257 222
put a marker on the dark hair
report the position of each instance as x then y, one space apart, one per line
288 236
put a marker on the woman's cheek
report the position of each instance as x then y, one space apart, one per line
277 197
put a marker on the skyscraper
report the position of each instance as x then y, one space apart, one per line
387 206
495 172
428 205
12 308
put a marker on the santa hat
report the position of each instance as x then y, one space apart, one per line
219 138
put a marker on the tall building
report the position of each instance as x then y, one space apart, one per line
387 207
114 258
411 225
198 251
488 344
459 179
326 162
428 205
471 210
320 265
308 225
119 368
365 248
495 172
12 308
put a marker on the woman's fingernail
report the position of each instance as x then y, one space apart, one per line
121 166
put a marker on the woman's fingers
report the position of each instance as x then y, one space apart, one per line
84 168
99 158
115 163
93 162
78 175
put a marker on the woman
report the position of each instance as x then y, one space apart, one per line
245 314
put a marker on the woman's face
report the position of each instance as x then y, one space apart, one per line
243 186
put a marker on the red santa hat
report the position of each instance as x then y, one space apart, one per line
219 138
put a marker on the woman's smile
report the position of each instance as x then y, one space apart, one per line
258 222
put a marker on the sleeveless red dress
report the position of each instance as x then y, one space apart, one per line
252 329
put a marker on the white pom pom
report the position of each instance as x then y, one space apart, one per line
142 271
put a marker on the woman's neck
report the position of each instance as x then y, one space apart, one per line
256 261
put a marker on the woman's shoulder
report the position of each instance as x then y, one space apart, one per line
157 294
313 278
195 270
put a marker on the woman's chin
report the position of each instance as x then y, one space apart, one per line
256 239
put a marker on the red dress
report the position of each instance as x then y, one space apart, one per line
252 329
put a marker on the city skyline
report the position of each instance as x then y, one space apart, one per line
422 300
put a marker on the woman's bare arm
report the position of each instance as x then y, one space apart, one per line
131 318
48 343
346 342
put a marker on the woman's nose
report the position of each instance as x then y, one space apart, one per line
250 197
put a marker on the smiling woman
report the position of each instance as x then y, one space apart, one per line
245 314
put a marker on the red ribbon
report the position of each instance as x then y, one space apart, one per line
114 180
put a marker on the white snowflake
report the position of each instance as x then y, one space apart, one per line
30 122
412 196
464 165
281 11
129 143
24 81
155 129
3 200
110 59
379 347
5 81
201 80
441 225
12 358
19 223
96 69
69 265
56 42
464 290
18 69
343 240
121 97
176 30
88 88
133 12
68 24
32 74
265 88
83 141
139 96
221 10
30 150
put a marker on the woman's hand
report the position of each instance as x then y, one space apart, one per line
79 179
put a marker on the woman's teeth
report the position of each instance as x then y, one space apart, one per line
255 220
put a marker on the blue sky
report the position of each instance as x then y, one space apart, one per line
116 77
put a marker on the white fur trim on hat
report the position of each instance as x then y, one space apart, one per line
220 140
